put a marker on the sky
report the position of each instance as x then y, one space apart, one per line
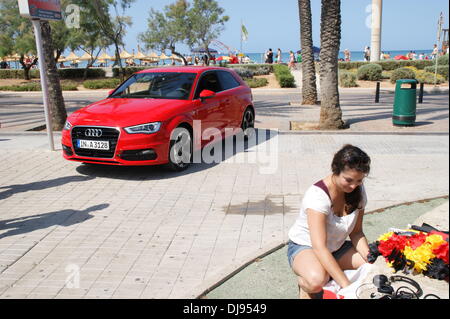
406 24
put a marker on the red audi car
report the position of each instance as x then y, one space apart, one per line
151 117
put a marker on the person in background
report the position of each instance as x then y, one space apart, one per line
332 210
291 60
279 58
347 55
367 54
435 52
3 64
269 56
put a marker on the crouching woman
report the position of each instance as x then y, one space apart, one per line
332 210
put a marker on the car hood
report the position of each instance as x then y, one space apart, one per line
126 112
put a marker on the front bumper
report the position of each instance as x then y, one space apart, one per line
124 149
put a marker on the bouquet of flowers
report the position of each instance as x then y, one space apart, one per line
413 251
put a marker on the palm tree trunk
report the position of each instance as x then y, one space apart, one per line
309 89
330 38
56 99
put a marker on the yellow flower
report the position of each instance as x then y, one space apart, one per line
386 236
421 256
435 241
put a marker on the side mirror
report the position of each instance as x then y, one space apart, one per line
207 94
111 92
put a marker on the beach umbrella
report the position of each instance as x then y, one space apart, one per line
13 58
125 55
163 56
400 57
153 56
106 56
140 56
223 58
175 57
72 57
86 57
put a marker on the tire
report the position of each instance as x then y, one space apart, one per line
248 123
180 150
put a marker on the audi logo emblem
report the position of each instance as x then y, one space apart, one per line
93 132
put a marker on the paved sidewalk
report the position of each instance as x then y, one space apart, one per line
69 230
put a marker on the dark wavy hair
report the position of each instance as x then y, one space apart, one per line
351 157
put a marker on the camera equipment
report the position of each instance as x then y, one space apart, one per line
384 286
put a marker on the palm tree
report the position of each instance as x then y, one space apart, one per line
309 90
56 99
330 39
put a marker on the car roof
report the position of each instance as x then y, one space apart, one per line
184 69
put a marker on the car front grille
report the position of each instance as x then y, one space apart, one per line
109 134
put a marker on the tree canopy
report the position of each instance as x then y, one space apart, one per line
196 24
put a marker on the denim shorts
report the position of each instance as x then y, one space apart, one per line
294 249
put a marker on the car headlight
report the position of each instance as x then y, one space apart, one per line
148 128
67 125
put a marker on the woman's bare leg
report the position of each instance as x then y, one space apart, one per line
311 274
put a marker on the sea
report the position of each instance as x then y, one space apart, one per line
355 55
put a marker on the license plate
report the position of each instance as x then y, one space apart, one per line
93 145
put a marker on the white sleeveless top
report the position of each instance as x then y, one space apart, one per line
338 228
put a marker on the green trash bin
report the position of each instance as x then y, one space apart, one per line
405 103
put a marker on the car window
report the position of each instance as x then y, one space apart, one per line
208 81
227 80
157 85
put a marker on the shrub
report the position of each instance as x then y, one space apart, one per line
69 86
428 77
351 65
402 73
17 74
34 86
347 79
258 69
101 84
128 71
443 60
244 72
386 75
441 70
370 72
76 73
256 83
387 65
262 70
284 76
63 73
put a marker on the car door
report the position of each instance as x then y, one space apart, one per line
232 108
208 111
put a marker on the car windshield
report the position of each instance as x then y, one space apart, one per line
156 85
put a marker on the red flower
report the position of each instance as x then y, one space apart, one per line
417 240
395 241
442 252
